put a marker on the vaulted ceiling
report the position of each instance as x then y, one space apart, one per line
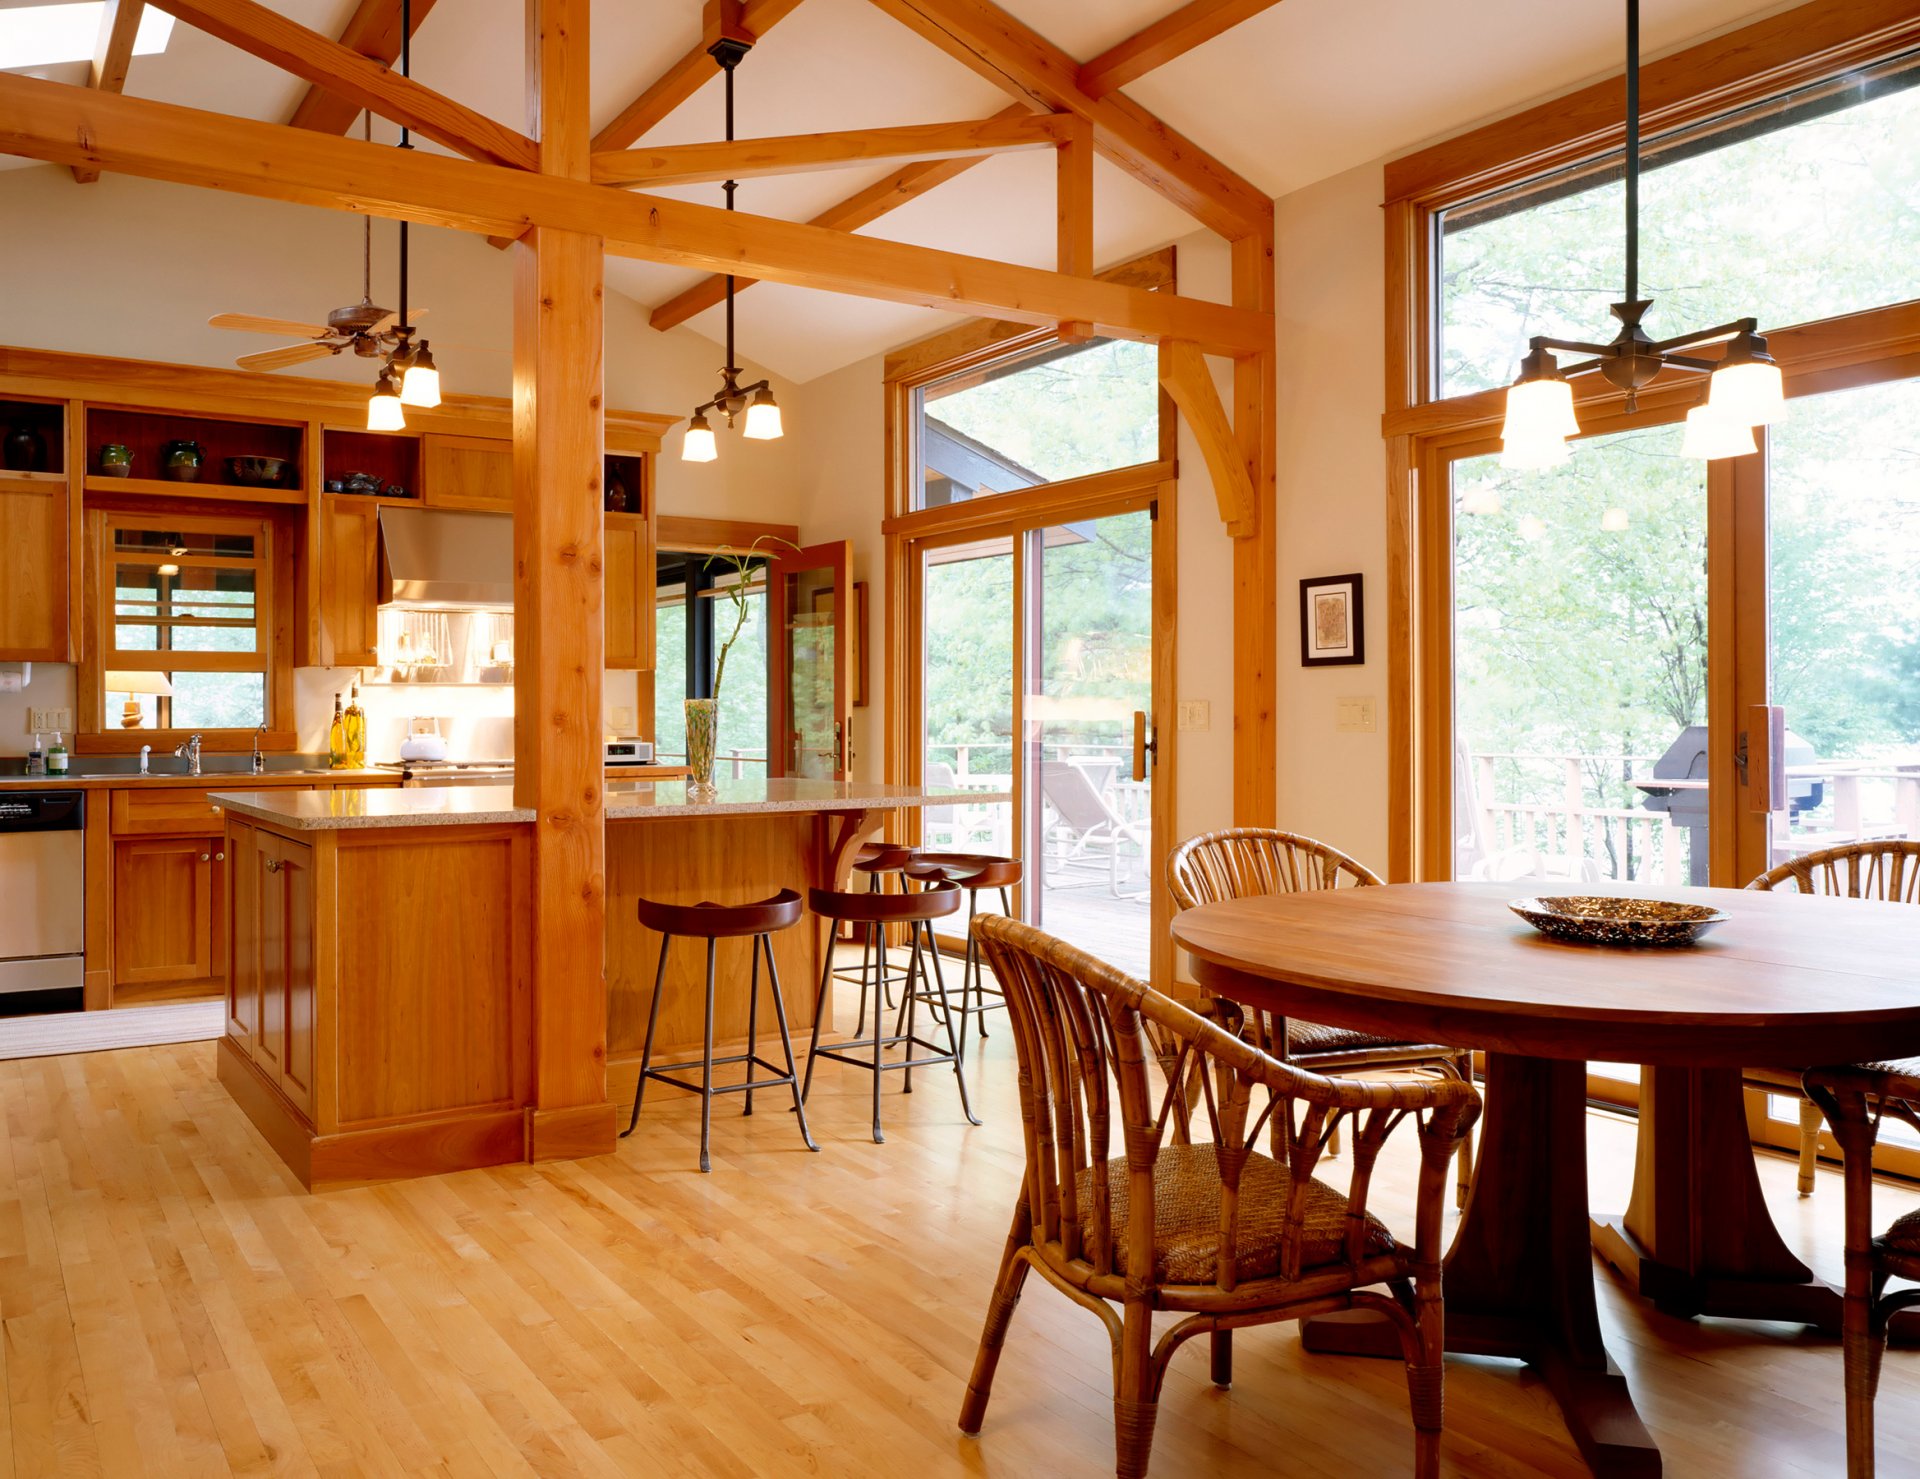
1305 90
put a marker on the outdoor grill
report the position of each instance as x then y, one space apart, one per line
1686 760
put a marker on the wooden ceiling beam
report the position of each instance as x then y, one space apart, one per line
71 125
1174 35
264 33
373 30
112 57
1073 208
686 164
686 76
1185 377
1014 56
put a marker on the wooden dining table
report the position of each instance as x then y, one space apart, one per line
1787 981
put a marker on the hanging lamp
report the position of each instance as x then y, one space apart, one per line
419 376
732 400
1744 384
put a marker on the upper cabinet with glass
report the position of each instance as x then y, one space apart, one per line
1059 412
1798 213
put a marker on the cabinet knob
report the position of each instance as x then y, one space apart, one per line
273 865
216 806
219 857
206 857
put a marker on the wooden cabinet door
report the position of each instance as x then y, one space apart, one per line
628 566
33 597
466 472
285 1043
244 978
164 910
349 579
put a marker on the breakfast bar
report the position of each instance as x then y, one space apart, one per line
379 1006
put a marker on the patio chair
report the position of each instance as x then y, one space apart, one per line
955 825
1858 870
1094 827
1244 862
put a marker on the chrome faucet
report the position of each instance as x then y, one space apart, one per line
145 751
259 760
189 750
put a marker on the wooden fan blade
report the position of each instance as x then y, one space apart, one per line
253 323
414 316
287 354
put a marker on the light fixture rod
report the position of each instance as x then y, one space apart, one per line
1633 151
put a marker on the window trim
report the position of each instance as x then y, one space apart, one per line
97 730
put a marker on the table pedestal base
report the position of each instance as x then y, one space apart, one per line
1519 1278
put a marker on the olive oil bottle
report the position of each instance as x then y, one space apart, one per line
356 722
337 738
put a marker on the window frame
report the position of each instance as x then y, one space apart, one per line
97 729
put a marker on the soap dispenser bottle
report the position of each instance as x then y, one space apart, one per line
337 738
37 758
57 756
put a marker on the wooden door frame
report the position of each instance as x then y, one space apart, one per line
780 567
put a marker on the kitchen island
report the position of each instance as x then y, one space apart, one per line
379 1002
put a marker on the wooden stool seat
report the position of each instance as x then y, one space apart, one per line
715 922
873 912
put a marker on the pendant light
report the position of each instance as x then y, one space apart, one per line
1744 384
756 401
384 411
419 375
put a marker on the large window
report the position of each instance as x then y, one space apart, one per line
694 616
1042 416
1798 214
187 641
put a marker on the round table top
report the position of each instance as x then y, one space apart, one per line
1789 981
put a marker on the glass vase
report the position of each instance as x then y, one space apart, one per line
701 721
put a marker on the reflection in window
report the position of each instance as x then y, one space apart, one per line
1065 411
1800 214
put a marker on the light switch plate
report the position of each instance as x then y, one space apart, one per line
1354 715
1195 713
45 721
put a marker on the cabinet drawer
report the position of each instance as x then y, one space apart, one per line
173 813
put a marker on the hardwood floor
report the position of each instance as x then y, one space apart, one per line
173 1303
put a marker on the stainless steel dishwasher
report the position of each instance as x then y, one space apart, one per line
42 901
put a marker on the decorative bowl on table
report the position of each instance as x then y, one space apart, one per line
257 472
1596 919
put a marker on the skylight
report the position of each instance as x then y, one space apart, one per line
46 35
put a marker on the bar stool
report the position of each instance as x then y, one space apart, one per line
975 873
876 911
879 861
712 923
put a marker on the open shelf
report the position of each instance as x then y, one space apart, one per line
145 433
45 420
165 488
392 457
630 472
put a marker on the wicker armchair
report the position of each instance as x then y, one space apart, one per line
1243 862
1858 870
1213 1233
1855 1100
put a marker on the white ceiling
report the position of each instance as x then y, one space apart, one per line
1304 91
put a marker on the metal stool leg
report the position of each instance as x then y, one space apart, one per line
706 1071
879 1034
959 1069
786 1044
866 947
753 1016
966 971
653 1020
819 1012
916 983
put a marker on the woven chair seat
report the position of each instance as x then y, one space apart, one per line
1904 1235
1906 1069
1186 1234
1317 1037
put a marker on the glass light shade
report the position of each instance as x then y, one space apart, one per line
384 412
1746 394
1708 436
1539 409
699 444
420 385
1536 455
1615 521
763 419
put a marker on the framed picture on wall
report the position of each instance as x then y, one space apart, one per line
1333 629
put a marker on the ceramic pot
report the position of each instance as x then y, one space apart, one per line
116 460
24 450
180 461
702 720
618 500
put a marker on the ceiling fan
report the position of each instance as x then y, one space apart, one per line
366 328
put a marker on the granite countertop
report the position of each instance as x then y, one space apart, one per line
426 806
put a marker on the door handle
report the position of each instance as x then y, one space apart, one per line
1761 756
1144 744
839 745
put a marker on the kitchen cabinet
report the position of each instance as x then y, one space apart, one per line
169 916
33 598
271 989
466 472
349 580
627 565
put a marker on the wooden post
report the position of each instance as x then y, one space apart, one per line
558 765
1074 207
1256 574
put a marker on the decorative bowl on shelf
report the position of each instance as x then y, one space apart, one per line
1596 919
257 472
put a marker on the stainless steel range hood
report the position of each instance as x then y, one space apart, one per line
435 559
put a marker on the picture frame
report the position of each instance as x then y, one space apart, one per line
1333 631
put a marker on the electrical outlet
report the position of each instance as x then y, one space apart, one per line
1195 713
623 720
45 721
1354 715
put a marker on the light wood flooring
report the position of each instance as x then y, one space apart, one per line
175 1304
